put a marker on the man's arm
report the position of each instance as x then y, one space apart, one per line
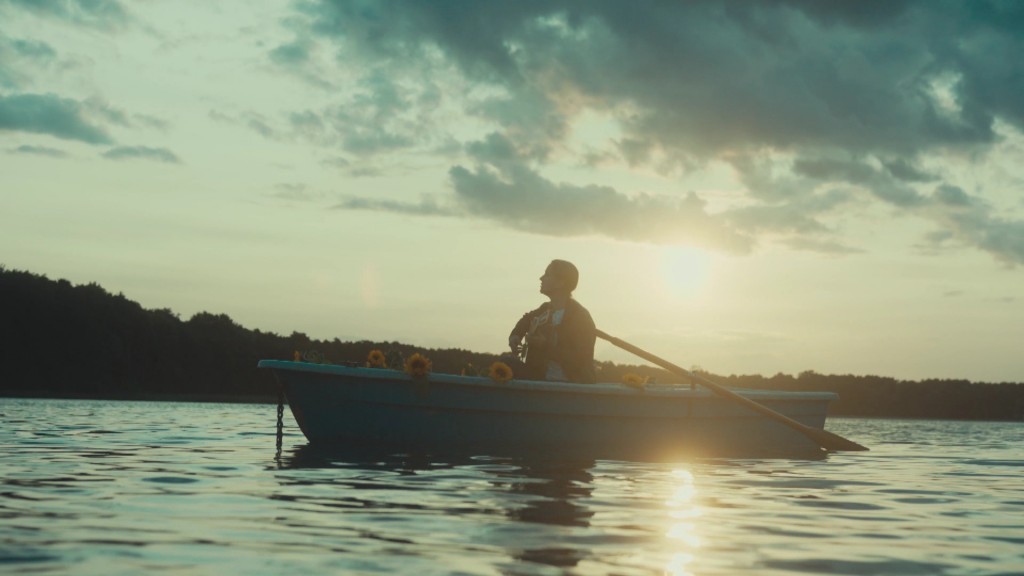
515 338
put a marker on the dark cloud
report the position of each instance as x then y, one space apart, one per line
39 151
906 171
496 148
101 14
701 77
856 95
50 114
952 196
34 49
863 14
292 54
880 183
142 153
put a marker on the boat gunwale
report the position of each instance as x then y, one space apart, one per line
601 388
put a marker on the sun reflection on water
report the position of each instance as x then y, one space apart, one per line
684 528
679 564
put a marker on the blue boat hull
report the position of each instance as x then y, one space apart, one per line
342 405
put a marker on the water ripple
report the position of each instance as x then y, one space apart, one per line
101 487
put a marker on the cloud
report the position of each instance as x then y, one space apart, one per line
150 121
513 195
297 58
294 53
382 115
970 221
425 207
142 153
521 199
881 183
815 105
39 151
50 114
906 171
697 78
100 14
19 57
251 120
33 49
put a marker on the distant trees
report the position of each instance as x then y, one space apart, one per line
891 398
57 339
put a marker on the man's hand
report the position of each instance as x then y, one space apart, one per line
514 342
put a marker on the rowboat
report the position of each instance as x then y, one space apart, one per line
343 405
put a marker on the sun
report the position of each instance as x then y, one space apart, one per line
684 272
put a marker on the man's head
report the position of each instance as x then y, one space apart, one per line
560 278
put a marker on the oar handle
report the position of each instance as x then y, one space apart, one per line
823 438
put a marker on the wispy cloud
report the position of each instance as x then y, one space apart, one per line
971 221
19 57
142 153
39 151
100 14
295 192
424 207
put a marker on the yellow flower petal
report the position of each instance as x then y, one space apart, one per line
500 372
376 359
417 365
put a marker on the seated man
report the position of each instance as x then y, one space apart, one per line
560 334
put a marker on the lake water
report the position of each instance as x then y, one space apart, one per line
95 487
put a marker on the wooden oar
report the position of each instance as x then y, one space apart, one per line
823 438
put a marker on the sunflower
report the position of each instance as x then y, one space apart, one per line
500 372
634 380
417 365
376 359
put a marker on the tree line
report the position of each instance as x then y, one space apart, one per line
63 340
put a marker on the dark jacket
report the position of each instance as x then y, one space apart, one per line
570 344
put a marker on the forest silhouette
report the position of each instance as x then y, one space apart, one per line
80 341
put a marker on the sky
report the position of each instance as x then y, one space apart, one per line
748 188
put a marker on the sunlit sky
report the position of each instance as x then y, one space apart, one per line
748 188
